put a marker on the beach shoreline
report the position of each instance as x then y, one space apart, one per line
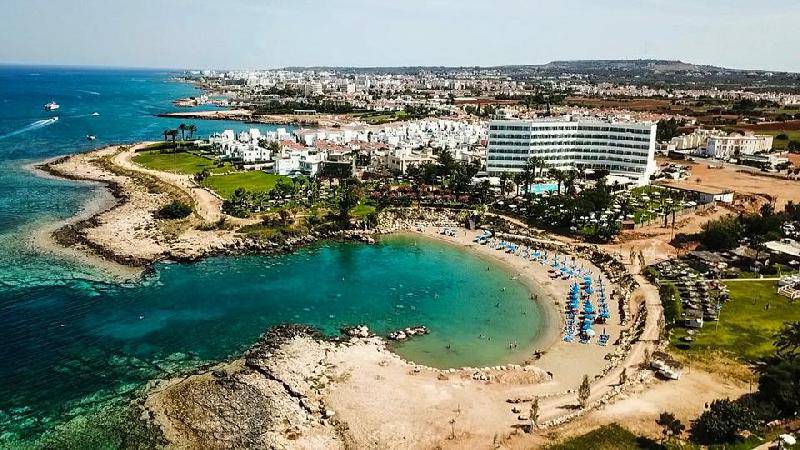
551 319
42 235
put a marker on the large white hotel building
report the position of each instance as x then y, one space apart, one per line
624 149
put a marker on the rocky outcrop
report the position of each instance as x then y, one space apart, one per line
269 399
398 219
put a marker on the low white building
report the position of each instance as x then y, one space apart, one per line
698 140
245 147
726 147
299 162
401 159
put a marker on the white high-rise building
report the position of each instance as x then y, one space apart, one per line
625 149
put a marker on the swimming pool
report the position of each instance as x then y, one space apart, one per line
540 188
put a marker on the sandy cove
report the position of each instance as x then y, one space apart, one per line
311 393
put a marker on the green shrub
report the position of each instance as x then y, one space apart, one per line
723 421
721 234
175 210
671 302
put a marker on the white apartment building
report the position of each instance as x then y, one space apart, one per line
299 162
625 149
726 147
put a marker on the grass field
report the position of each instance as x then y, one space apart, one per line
377 118
746 327
608 437
254 181
181 162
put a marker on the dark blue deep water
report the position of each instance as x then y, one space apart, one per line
74 349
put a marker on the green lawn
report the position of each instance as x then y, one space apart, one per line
253 180
181 162
746 328
378 118
608 437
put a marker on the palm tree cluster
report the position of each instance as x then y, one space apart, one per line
304 191
183 129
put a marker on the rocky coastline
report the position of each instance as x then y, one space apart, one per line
133 199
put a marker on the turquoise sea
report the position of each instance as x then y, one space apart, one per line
74 349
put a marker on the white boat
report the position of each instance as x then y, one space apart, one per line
91 137
52 106
95 113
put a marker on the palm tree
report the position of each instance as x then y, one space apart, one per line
484 188
529 170
569 181
519 181
503 183
182 127
537 162
557 175
173 134
166 135
192 130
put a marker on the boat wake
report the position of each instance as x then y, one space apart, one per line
35 125
87 92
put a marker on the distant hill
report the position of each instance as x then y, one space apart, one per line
575 66
657 65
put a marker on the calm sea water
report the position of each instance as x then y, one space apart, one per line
73 349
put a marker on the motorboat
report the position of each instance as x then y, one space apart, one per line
52 106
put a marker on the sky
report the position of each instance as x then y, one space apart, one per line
262 34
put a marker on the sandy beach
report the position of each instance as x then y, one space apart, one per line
41 236
337 398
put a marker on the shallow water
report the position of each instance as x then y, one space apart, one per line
73 349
